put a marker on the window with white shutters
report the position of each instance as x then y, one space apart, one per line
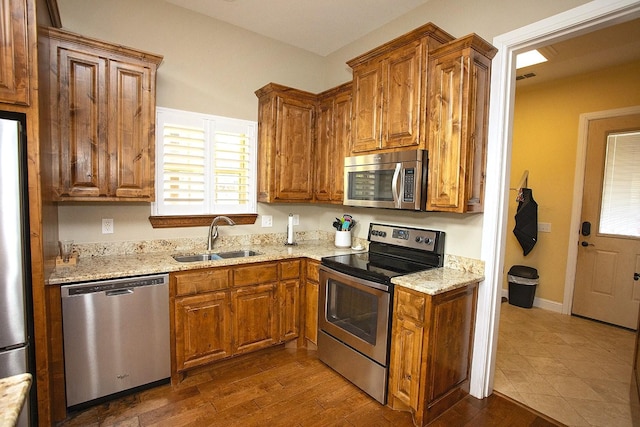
204 164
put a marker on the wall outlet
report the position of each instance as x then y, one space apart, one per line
296 219
107 226
267 221
544 227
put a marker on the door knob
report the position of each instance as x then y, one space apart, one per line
585 244
636 276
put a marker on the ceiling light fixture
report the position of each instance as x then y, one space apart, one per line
526 59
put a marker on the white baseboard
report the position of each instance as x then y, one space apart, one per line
540 302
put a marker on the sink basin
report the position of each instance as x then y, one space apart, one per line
236 254
215 256
195 258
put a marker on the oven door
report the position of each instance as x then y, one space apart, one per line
356 312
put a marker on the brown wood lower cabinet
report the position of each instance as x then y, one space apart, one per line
312 285
255 324
431 349
208 312
221 312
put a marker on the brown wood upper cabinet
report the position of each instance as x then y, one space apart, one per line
285 144
103 123
333 134
460 74
389 92
14 44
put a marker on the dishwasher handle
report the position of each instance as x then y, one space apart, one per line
118 292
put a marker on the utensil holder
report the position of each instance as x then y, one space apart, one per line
343 239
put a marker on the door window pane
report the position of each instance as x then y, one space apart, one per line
619 214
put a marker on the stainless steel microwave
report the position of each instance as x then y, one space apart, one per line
396 180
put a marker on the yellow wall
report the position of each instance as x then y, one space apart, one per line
545 133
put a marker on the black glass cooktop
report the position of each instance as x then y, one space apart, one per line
373 266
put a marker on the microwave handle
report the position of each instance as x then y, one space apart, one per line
396 185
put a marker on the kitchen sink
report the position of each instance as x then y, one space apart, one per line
215 256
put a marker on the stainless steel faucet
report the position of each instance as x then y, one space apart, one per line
213 229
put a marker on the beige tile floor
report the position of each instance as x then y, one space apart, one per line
574 370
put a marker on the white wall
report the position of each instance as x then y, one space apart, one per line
213 67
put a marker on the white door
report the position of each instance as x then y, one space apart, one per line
607 286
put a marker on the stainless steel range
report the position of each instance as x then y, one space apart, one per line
355 301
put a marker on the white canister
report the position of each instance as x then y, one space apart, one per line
343 239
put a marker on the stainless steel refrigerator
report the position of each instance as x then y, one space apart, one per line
16 342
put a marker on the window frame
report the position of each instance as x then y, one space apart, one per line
169 220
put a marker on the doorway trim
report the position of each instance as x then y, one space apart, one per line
580 20
578 193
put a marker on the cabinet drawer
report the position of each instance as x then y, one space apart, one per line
313 271
289 269
410 306
255 273
194 282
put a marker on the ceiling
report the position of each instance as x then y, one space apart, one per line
600 49
319 26
324 26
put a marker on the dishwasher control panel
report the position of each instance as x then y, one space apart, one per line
114 285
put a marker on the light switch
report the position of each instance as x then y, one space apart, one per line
544 227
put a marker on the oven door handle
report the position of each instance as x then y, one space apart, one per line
357 282
395 186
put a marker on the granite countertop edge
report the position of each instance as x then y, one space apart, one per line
13 393
456 272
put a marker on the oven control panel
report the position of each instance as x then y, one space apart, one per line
409 237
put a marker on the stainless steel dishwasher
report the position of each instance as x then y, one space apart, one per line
116 336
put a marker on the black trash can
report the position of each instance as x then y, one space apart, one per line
522 285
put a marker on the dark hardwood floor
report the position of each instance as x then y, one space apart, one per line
282 387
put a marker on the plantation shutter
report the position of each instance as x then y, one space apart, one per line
205 164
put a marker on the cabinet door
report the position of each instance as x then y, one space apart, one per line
289 309
81 125
407 347
202 324
458 114
403 93
451 345
311 301
324 154
333 143
407 336
341 143
255 322
131 131
14 54
366 126
294 139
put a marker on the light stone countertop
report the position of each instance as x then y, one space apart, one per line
13 393
457 272
438 280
